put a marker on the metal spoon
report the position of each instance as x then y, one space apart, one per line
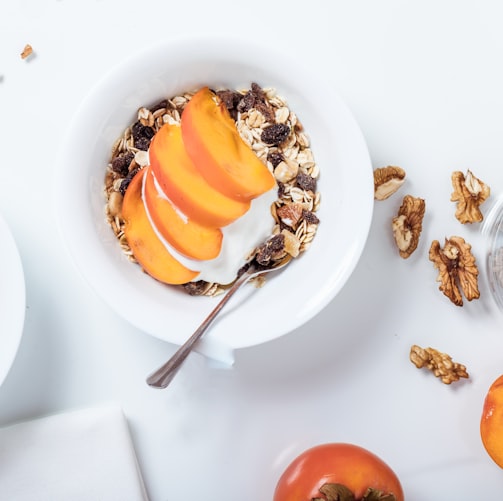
164 375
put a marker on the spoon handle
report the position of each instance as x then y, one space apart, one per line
163 376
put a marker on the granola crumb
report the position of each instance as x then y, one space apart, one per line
27 51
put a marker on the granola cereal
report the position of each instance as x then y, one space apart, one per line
265 122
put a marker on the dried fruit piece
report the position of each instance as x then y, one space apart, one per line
292 243
121 162
387 180
275 157
469 193
310 217
290 214
408 224
256 98
456 269
275 134
439 363
142 135
271 250
306 182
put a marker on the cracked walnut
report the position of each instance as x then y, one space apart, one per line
387 180
469 193
408 224
457 270
439 363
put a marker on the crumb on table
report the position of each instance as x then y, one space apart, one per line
27 51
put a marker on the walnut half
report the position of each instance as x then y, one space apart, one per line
457 270
439 363
469 193
387 180
408 224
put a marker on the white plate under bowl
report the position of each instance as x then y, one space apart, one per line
12 299
290 298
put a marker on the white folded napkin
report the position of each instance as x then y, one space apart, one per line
83 455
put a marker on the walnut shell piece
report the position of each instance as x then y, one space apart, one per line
387 180
457 269
439 363
408 224
469 193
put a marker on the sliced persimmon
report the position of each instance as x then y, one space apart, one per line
186 236
148 250
184 185
218 151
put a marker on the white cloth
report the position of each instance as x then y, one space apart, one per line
81 455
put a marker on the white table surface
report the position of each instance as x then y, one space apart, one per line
425 82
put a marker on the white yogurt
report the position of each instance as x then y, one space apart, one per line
240 238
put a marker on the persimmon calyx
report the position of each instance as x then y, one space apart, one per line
339 492
335 492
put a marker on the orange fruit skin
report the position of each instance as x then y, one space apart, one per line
185 235
339 463
148 250
219 153
491 422
184 185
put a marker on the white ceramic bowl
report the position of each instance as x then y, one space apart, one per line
290 298
12 299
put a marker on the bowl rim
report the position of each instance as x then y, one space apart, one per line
268 61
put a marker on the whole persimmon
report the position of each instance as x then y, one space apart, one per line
491 422
338 471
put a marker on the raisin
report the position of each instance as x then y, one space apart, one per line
159 105
195 288
306 182
284 226
275 134
275 157
246 103
139 130
120 163
142 134
256 98
310 217
125 182
142 143
230 98
281 189
268 250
